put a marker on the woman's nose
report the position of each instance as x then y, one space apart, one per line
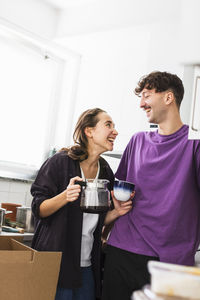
115 132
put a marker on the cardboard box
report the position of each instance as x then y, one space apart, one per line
27 274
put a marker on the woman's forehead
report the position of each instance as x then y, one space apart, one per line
104 117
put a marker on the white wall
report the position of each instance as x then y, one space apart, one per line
112 63
189 35
101 15
32 15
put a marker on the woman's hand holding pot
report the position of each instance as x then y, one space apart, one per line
73 190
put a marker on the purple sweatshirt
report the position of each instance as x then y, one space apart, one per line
165 218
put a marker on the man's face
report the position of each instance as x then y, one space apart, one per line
154 105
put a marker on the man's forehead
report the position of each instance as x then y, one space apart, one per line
145 90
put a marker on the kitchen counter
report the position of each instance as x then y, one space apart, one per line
27 236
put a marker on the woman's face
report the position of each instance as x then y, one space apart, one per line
103 135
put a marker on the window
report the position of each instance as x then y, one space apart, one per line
31 78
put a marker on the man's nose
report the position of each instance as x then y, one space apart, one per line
142 102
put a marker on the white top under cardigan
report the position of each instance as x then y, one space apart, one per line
89 225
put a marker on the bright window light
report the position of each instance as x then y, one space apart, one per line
27 79
38 81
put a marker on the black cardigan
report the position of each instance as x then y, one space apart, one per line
62 231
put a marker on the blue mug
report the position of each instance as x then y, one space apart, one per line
123 189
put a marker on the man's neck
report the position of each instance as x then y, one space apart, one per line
170 126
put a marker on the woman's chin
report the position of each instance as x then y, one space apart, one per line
108 148
111 148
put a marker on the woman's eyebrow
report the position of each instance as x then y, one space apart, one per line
109 122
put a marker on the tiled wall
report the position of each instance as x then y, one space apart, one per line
15 191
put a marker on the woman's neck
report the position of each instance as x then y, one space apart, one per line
90 167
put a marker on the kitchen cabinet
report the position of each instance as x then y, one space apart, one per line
194 129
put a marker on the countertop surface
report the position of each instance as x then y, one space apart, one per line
26 235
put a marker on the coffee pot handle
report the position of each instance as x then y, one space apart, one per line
81 183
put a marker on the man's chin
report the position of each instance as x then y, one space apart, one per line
151 121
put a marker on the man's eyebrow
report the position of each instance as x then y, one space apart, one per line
144 93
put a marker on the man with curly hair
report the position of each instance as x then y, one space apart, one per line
164 223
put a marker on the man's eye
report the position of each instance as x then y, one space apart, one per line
108 125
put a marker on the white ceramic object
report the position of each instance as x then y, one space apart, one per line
175 280
122 195
123 189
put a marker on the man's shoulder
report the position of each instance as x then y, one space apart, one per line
140 135
136 141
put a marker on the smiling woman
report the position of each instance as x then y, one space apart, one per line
60 224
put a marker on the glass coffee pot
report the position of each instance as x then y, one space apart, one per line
95 196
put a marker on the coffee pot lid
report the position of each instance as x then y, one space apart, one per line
96 183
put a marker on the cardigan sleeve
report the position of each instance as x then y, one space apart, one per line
46 184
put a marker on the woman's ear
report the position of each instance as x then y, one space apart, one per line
88 132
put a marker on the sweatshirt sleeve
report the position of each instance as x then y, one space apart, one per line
121 172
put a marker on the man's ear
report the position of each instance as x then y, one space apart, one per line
169 98
88 132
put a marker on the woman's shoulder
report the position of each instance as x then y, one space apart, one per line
104 165
61 155
59 158
103 162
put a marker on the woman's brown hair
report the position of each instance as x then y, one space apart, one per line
88 118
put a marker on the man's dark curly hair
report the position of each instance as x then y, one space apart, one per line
162 81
